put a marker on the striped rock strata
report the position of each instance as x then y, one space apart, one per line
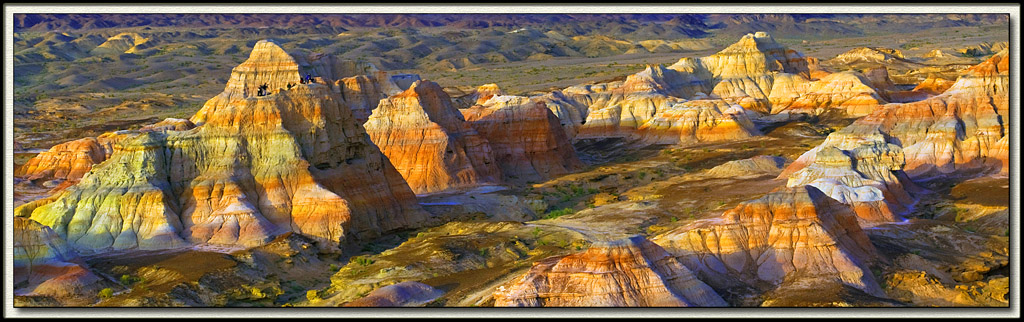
630 272
526 139
787 234
429 142
252 168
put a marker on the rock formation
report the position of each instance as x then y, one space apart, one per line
957 131
429 141
630 272
253 168
756 166
48 266
525 137
408 294
787 234
697 121
480 95
756 74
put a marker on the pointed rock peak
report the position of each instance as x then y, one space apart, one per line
268 64
424 88
759 41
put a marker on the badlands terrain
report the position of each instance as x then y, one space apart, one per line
512 160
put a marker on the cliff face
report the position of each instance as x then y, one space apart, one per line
787 234
631 272
696 121
253 168
429 142
755 74
957 131
527 141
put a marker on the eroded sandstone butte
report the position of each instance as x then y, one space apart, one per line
963 130
757 76
429 142
525 137
787 234
630 272
253 167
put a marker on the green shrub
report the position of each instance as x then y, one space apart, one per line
106 293
558 213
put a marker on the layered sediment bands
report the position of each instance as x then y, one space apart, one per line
407 294
957 131
630 272
847 91
745 70
267 64
48 265
254 167
788 234
934 85
619 109
429 141
68 161
527 141
862 171
571 113
697 121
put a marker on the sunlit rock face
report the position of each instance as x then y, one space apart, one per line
253 167
430 143
697 121
861 170
756 74
630 272
68 161
847 91
527 141
788 234
958 131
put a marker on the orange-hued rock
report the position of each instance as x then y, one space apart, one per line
67 161
848 91
526 139
633 272
756 73
956 131
253 167
697 121
480 95
934 85
429 141
788 234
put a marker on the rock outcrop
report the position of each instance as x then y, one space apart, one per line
429 142
757 166
787 234
253 167
47 266
630 272
756 74
526 139
957 131
404 294
696 121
